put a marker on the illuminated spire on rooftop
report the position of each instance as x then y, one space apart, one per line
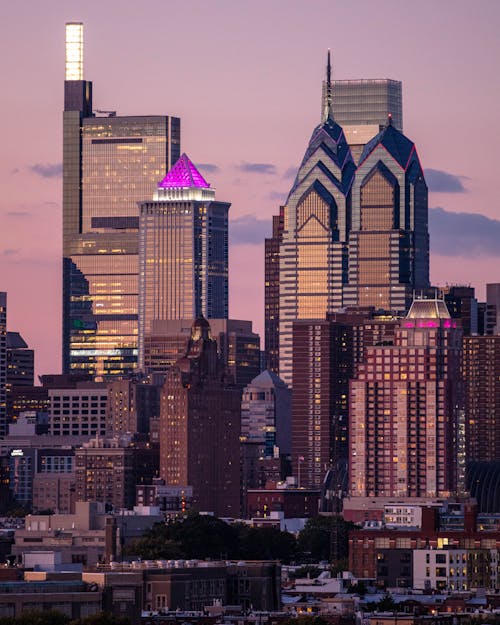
183 175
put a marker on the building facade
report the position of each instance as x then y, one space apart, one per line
406 407
266 413
183 251
389 240
238 346
481 379
110 163
200 427
313 250
20 362
3 363
272 292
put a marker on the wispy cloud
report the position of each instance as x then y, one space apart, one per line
463 234
257 168
249 229
17 214
280 196
210 168
47 170
443 182
10 251
290 173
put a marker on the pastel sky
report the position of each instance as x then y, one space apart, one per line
245 77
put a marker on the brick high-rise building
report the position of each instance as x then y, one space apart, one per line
200 427
405 409
481 378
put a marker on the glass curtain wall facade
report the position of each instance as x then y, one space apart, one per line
312 253
109 164
183 256
389 241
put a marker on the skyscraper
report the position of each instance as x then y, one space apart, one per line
389 239
200 427
272 292
406 404
20 362
361 107
3 363
312 253
481 379
109 164
183 251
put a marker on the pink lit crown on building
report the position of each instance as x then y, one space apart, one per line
183 175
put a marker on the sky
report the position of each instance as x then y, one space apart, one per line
245 78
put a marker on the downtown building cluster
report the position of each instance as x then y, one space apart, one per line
374 390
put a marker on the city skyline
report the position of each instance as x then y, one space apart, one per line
242 129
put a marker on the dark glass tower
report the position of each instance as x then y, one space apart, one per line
109 164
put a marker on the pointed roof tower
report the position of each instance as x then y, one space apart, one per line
394 141
183 175
328 146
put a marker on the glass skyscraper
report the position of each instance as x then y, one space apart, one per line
313 252
183 251
389 239
110 163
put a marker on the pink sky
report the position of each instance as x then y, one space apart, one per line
246 80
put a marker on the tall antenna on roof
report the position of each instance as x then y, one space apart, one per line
327 106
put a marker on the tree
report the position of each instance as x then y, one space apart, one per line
103 618
315 539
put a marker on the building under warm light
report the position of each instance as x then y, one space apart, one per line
110 163
406 408
183 251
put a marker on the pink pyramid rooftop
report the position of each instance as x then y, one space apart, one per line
183 175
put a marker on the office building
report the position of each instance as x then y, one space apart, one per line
361 107
405 410
3 364
183 251
131 406
389 239
20 362
79 411
313 249
109 469
200 427
266 413
237 344
492 308
272 292
481 379
110 163
462 304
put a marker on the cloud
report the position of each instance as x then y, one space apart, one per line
249 229
14 171
290 173
208 167
11 251
18 214
280 196
47 170
257 168
463 234
442 182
